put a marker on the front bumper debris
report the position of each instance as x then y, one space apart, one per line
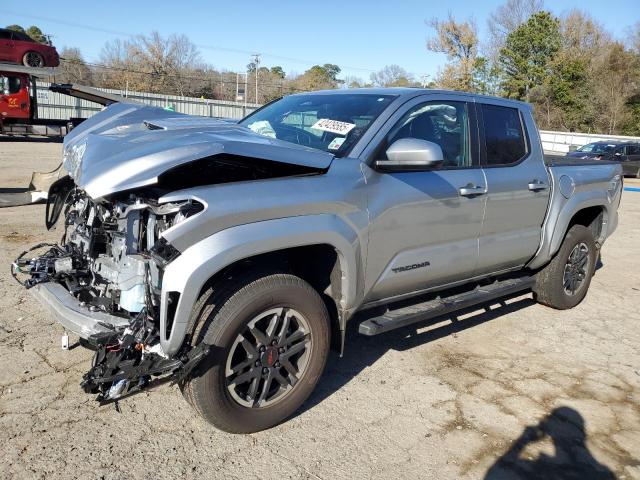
73 315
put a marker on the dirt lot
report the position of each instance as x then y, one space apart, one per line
492 394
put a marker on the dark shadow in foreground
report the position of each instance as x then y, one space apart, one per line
564 426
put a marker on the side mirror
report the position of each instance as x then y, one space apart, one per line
411 154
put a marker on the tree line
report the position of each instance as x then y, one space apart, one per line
576 74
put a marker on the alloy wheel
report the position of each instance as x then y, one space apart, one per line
575 270
268 358
34 59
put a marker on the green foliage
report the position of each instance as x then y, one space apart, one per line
632 125
15 28
485 77
566 82
527 54
278 71
33 31
319 77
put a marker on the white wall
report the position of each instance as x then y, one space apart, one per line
561 141
53 105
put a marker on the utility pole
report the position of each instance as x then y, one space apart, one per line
256 63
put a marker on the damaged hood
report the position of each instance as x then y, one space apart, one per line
128 146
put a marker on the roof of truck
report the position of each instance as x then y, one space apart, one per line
409 92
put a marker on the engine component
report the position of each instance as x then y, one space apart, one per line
111 259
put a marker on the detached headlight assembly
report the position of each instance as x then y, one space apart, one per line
72 158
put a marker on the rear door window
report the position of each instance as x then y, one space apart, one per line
632 150
22 37
504 135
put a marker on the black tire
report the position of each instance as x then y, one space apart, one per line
223 316
553 288
33 59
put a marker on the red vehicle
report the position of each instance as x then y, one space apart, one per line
19 102
18 47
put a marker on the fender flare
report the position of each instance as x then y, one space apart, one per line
188 273
554 232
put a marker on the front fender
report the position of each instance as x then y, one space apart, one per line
188 274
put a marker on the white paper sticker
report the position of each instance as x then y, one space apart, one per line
263 127
336 143
333 126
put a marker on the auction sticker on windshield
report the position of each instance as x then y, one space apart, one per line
333 126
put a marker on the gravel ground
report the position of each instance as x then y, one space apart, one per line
497 393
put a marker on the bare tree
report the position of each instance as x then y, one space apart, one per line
615 79
152 63
459 41
119 70
73 68
352 81
392 76
581 34
634 37
506 18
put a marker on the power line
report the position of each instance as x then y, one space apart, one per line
204 47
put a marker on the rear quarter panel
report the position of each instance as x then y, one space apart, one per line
576 187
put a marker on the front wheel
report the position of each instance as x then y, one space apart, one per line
270 339
564 282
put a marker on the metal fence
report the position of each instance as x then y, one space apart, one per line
58 106
52 105
563 142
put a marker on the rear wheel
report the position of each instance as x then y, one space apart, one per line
270 339
33 59
564 282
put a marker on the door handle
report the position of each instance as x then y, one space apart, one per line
536 185
471 190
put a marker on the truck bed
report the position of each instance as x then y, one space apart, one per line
562 161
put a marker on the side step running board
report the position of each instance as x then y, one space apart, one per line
441 306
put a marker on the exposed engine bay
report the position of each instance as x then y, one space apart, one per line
111 259
125 168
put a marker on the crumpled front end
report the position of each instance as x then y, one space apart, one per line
103 283
132 172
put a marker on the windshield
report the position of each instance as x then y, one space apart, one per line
332 122
596 148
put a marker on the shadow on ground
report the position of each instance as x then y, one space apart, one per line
571 459
563 427
362 351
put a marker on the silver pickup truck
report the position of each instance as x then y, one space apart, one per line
229 257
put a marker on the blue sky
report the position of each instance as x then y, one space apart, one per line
359 36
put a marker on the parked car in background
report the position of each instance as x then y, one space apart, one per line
627 153
18 47
629 157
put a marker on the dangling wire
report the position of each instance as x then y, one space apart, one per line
15 267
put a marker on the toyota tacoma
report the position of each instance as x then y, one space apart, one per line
229 257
